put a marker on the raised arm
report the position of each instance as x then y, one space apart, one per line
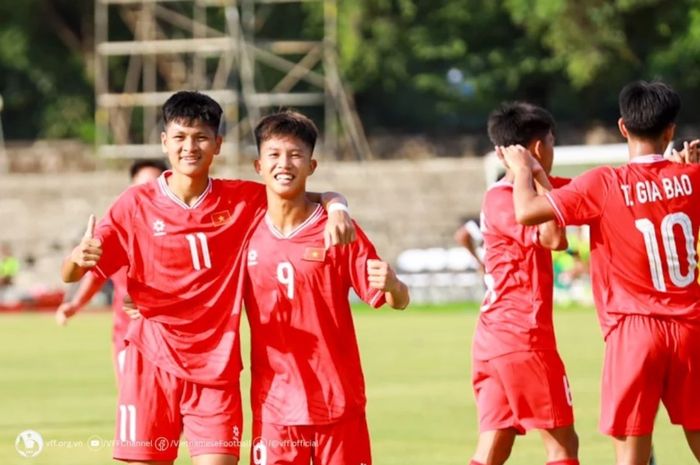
340 229
83 257
529 201
551 235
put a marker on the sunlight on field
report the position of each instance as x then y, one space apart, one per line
59 382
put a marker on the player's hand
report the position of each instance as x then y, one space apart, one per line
340 230
381 276
689 154
64 312
517 157
88 252
130 309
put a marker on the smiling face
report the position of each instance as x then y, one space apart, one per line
190 147
284 163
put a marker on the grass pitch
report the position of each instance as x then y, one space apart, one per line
59 382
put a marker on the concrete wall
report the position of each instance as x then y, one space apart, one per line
400 204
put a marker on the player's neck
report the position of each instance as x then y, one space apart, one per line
287 214
187 188
642 147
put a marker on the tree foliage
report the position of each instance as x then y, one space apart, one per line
415 65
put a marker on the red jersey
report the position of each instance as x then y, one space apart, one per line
304 357
516 313
120 320
644 218
185 272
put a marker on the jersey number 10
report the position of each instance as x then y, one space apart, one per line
668 224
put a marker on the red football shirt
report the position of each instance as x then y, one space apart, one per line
304 356
516 313
644 218
120 320
185 272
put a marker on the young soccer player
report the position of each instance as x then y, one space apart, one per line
644 218
519 379
307 394
182 238
141 172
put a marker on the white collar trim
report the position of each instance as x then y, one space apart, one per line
646 159
163 184
317 213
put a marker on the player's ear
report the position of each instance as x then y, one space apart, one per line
163 138
313 164
219 140
535 148
256 165
623 129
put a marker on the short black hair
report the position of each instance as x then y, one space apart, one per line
287 123
519 123
648 108
142 163
188 107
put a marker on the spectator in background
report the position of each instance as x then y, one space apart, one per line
469 236
9 265
141 172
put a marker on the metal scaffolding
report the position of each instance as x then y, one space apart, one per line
147 49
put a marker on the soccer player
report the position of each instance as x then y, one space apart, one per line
307 394
519 380
182 238
141 172
644 218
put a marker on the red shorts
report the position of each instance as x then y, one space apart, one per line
648 360
341 443
155 408
522 390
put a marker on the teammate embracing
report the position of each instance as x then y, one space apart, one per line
182 239
519 380
644 218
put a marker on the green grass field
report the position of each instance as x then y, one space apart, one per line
59 382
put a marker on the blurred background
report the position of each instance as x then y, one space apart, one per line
401 90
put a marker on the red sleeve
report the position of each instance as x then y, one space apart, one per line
359 252
558 182
582 200
499 218
112 230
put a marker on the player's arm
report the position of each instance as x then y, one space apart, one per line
83 257
383 277
551 235
530 208
340 229
463 238
88 287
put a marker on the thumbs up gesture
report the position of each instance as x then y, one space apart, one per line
88 252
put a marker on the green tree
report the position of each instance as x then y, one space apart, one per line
45 50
